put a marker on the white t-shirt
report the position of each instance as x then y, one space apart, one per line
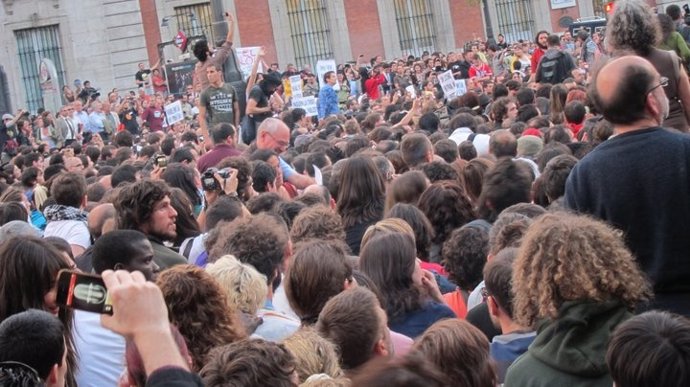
101 351
73 231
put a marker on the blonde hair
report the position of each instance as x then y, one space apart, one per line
386 226
566 257
313 354
245 286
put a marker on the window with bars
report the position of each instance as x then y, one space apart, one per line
195 20
515 19
310 31
33 45
415 23
598 6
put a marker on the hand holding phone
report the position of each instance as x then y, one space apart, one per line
82 291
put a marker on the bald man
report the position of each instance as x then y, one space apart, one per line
639 179
273 134
101 220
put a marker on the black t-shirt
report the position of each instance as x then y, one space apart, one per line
139 76
129 120
261 101
459 71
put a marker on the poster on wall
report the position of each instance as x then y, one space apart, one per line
559 4
180 75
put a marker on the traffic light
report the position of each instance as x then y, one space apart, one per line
608 7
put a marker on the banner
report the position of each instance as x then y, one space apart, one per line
306 103
324 66
246 57
174 113
448 84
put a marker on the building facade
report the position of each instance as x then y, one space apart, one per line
103 40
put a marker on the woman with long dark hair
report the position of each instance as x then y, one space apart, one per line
361 198
182 176
411 296
28 274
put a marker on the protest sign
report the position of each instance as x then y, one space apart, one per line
324 66
174 113
447 84
306 103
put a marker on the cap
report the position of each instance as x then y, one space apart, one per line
532 132
529 146
7 116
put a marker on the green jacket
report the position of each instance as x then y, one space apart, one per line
571 350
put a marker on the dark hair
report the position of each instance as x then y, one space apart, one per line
114 247
447 207
182 176
244 174
498 277
413 370
125 173
423 230
259 241
439 171
447 149
263 202
414 148
525 96
361 194
186 224
288 211
650 350
225 208
389 260
53 170
249 363
201 50
350 320
135 202
406 188
549 152
464 254
167 145
507 183
318 271
181 155
221 132
429 122
467 151
68 189
555 175
34 338
10 211
123 138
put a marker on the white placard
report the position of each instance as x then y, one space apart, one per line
246 57
410 89
296 86
460 87
306 103
448 84
324 66
173 112
318 176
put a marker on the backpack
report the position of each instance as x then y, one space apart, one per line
551 69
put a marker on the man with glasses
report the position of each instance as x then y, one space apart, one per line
639 179
273 134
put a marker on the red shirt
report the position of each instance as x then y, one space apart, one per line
215 155
482 71
536 57
372 86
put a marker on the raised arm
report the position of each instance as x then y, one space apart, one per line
252 77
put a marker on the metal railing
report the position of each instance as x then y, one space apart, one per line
515 19
34 44
195 20
415 23
310 31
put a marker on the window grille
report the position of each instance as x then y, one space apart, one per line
33 45
310 31
598 6
515 19
196 20
415 23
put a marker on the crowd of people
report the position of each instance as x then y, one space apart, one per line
529 232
